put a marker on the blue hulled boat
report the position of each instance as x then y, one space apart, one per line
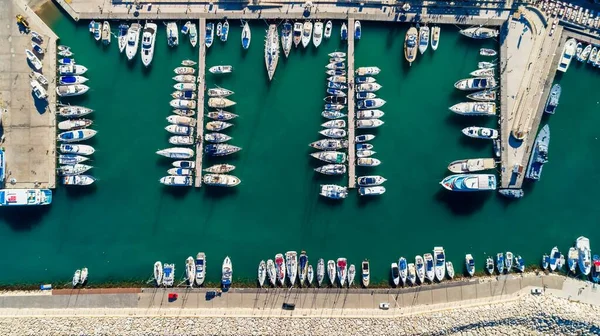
539 154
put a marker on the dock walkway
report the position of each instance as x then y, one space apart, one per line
29 124
201 93
351 95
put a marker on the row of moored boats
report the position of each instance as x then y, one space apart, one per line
579 260
419 39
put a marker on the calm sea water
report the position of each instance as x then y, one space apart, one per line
124 223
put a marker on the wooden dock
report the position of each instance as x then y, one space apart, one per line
201 89
351 95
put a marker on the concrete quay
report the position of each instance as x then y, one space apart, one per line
351 108
28 124
201 92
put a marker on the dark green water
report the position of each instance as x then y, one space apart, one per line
128 220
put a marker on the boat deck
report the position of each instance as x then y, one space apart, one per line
351 95
28 124
201 89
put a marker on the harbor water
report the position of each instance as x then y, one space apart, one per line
125 222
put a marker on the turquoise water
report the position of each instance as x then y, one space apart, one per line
124 223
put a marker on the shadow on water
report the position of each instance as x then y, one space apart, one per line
176 192
462 203
218 192
24 218
78 192
478 144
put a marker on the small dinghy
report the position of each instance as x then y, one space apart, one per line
220 168
184 164
339 123
182 70
180 172
219 92
72 124
78 180
180 120
73 111
184 95
221 115
75 136
176 181
76 169
180 130
220 149
69 80
183 104
185 87
221 69
181 140
188 63
66 159
217 126
176 153
220 102
185 78
216 137
368 123
185 29
77 149
334 133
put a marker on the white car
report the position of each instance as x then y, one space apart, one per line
384 306
537 291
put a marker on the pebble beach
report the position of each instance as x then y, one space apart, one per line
527 315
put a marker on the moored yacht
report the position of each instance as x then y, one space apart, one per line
567 55
475 108
439 258
435 37
479 33
344 32
402 269
420 268
553 99
539 154
291 263
332 169
297 33
423 39
429 267
585 255
280 268
210 34
172 34
330 156
470 264
320 271
366 274
477 83
25 197
286 38
226 273
317 34
469 182
483 96
395 274
306 33
133 37
200 268
500 263
371 191
148 41
342 270
410 45
480 132
333 191
246 35
271 51
220 180
302 268
471 165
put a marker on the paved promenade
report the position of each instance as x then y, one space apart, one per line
28 123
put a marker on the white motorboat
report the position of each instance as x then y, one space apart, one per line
357 30
286 38
76 149
480 132
320 272
221 69
71 69
158 273
185 86
395 274
477 83
219 92
190 270
439 258
318 34
220 102
43 80
183 104
297 33
185 29
38 90
180 130
329 114
71 90
71 159
335 133
185 78
480 33
220 180
71 124
338 123
483 72
181 140
367 162
78 180
351 274
412 274
246 36
262 273
122 37
368 123
365 95
306 33
216 126
271 51
344 32
271 272
96 29
69 80
210 34
328 29
435 37
280 267
403 269
224 31
475 108
84 275
291 263
471 165
216 137
368 87
76 169
176 181
366 273
331 271
220 168
370 180
330 156
368 71
420 268
180 120
176 153
172 34
508 261
220 149
333 191
370 104
369 114
193 35
76 278
184 95
184 164
106 34
423 39
200 267
184 70
180 171
148 41
470 264
567 55
310 275
585 255
332 169
73 111
168 275
337 54
483 96
219 29
37 49
364 138
77 135
363 153
450 269
371 191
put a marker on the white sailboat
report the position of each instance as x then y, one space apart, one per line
291 262
190 270
271 51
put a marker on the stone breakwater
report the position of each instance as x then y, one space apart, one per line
529 315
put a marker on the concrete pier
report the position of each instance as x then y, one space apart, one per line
351 95
28 123
201 92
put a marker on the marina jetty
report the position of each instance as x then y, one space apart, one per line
527 305
28 123
201 89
